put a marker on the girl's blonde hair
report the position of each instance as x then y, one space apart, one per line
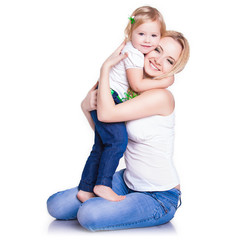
142 15
184 56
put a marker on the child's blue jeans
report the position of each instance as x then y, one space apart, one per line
109 146
138 209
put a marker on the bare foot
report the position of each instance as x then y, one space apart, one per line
84 196
107 193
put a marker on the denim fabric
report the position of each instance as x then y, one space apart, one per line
138 209
110 143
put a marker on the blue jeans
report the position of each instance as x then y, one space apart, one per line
109 146
138 209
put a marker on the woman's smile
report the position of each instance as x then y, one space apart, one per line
154 66
162 59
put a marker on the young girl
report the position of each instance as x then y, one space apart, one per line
143 34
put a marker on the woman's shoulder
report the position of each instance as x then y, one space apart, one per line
164 100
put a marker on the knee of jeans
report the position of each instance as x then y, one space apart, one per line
52 208
97 149
86 217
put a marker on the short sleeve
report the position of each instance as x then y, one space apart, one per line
135 58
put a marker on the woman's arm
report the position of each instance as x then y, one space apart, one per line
152 102
89 103
88 116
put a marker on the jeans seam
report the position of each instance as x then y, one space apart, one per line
132 223
160 202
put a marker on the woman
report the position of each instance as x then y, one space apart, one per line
150 181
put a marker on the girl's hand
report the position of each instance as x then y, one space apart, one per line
89 103
115 57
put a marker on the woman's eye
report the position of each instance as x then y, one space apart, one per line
157 50
170 61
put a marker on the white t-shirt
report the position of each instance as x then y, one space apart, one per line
149 154
118 77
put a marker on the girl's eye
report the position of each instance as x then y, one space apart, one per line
157 50
141 34
154 35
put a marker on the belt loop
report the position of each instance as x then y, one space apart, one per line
180 201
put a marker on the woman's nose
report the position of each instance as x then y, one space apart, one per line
158 62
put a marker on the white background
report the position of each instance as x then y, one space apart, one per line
50 55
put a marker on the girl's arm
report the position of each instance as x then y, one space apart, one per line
139 84
152 102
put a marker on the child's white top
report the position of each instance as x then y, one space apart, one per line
118 77
149 154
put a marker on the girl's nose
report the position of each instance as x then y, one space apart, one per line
147 39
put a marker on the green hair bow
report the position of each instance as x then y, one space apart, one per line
132 19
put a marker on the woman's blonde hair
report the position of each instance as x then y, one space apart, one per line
142 15
184 56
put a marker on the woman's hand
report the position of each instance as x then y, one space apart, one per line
89 103
115 57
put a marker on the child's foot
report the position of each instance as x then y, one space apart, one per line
107 193
84 196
